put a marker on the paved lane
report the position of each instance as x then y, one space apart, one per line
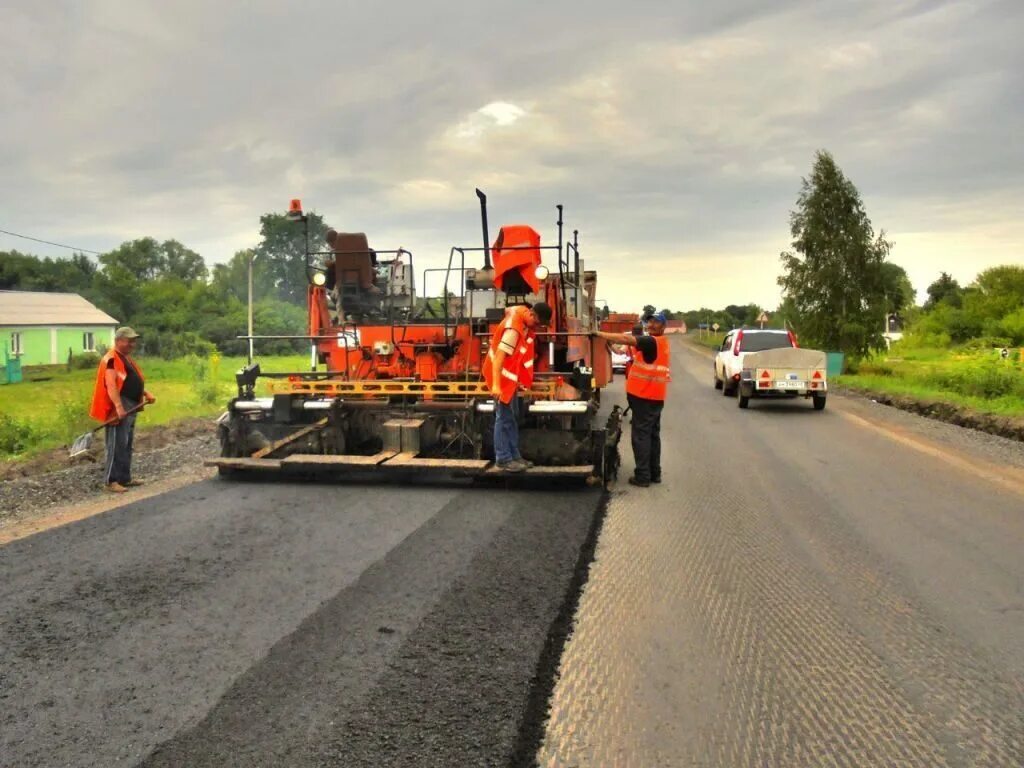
261 624
837 588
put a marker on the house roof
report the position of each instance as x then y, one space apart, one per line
41 308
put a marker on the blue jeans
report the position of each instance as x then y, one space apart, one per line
506 430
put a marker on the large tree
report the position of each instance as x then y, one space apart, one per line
833 275
945 290
897 289
281 254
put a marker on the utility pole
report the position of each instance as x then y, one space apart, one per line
251 254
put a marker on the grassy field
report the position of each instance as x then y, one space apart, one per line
50 408
974 378
711 341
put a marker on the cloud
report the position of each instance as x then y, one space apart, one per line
674 133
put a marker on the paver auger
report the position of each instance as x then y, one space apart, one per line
395 380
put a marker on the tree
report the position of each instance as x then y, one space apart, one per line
281 254
833 275
649 310
182 263
896 288
945 290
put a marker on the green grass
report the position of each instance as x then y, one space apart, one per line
37 415
711 341
973 378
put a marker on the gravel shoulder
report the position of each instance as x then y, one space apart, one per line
34 495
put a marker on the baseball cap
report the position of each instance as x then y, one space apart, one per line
125 332
660 317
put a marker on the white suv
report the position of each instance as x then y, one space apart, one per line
737 345
620 360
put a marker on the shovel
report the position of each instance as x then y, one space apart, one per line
83 443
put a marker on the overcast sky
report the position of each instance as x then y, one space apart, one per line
675 133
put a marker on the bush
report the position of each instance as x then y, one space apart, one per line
986 343
186 344
85 361
15 435
985 378
72 418
205 372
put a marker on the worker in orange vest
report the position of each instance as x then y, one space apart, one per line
119 393
646 388
508 367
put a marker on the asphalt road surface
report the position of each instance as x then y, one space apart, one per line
841 588
834 588
252 624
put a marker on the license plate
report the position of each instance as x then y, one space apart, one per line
789 385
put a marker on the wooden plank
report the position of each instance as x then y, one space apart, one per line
568 471
411 461
289 439
244 463
332 460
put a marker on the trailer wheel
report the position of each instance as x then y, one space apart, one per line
742 400
819 402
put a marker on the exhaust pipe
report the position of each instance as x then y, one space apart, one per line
483 220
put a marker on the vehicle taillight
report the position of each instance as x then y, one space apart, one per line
792 338
736 344
766 374
817 375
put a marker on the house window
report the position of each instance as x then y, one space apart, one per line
88 342
15 343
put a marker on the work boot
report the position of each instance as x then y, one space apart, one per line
510 466
656 480
639 483
527 464
116 488
135 483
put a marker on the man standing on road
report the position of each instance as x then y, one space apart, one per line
119 394
509 366
646 388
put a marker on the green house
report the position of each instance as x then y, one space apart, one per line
41 328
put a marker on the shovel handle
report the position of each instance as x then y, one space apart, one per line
115 419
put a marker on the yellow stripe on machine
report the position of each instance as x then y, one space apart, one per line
375 388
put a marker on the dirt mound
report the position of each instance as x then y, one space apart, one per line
1004 426
148 439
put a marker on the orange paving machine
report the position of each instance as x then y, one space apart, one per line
395 379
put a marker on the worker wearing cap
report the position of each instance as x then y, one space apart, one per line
646 389
120 392
507 367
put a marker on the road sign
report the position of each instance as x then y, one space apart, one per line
715 327
762 318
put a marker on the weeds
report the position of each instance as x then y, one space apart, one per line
16 436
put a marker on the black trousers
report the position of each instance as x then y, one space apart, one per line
646 434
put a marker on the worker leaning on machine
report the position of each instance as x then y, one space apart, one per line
509 367
646 389
119 394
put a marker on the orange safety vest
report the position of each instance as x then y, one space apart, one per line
517 368
102 408
650 380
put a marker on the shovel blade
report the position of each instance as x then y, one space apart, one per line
81 445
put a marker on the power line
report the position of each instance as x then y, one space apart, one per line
48 242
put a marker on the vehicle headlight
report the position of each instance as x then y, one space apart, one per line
541 272
319 278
